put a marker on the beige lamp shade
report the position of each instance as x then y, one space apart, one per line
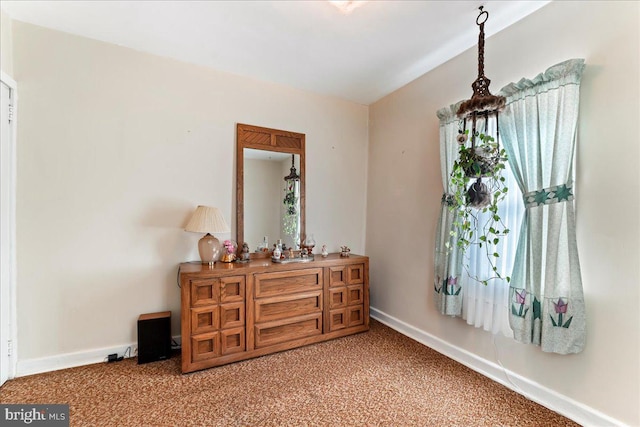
208 220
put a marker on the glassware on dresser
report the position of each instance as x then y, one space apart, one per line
309 243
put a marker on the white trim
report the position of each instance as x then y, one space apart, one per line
8 80
538 393
72 360
69 360
13 330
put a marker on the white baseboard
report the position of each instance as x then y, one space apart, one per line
555 401
71 360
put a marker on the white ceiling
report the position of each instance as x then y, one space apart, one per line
361 56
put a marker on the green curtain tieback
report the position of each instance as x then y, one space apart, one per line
548 196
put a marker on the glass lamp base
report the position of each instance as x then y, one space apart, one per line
210 249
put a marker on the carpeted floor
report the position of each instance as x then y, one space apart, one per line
377 378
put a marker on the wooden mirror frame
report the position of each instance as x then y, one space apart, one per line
259 138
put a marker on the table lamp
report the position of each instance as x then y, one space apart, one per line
208 220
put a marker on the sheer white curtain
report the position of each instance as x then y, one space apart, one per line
487 306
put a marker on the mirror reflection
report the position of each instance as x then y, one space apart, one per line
271 199
267 205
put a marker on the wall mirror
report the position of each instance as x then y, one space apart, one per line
267 205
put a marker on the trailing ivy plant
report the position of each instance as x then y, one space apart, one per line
478 187
290 218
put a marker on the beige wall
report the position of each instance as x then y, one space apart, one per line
263 196
406 192
115 150
6 44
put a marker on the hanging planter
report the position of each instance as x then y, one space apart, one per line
291 217
476 179
479 161
478 187
290 201
478 195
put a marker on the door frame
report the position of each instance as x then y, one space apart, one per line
8 282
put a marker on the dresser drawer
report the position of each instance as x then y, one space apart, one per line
355 316
205 319
337 297
232 289
280 331
355 294
337 319
204 291
211 318
294 305
337 276
231 315
341 318
287 282
232 341
205 346
355 274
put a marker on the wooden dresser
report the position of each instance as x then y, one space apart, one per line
237 311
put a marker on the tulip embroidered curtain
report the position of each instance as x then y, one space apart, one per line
448 258
539 126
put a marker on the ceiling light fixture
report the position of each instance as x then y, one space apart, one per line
347 6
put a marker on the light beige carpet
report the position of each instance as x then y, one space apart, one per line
377 378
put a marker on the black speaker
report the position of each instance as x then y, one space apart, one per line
154 337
